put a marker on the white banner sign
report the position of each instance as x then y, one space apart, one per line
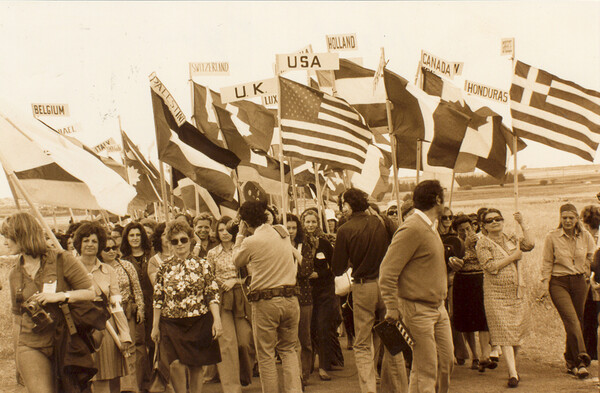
210 68
440 66
50 110
157 86
507 47
484 91
308 61
341 42
248 90
270 100
68 129
109 145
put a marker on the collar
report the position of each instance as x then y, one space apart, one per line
103 267
424 217
359 214
220 249
262 228
563 233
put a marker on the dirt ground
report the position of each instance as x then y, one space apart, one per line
542 377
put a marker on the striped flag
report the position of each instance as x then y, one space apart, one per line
320 128
555 112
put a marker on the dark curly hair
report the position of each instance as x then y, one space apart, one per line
176 226
299 232
156 238
357 199
459 220
126 247
87 229
253 212
425 194
590 215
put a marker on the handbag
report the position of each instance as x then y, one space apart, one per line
343 283
159 377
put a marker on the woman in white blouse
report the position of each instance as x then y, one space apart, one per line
237 351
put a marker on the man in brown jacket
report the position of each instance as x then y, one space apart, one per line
412 279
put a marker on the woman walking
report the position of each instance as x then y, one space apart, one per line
568 252
35 271
132 298
500 257
186 321
90 241
237 349
325 313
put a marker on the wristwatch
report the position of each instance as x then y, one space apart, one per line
67 297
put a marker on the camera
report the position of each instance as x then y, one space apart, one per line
40 317
233 226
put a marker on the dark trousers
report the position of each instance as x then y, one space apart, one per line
568 294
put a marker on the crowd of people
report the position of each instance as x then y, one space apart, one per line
169 306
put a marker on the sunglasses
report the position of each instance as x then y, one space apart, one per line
109 249
447 217
392 213
494 219
182 240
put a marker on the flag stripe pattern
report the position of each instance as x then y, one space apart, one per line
320 128
555 112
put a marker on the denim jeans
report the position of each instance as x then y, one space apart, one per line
568 295
275 325
367 306
36 368
433 353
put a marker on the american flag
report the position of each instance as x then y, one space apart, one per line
555 112
320 128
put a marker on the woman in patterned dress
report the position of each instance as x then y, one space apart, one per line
132 298
505 307
305 270
187 322
237 350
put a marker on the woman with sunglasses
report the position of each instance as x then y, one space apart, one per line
187 322
132 298
445 223
566 261
237 349
90 241
500 256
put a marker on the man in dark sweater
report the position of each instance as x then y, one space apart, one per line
413 282
361 244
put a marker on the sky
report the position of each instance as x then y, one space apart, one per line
96 56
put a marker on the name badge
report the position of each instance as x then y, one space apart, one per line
49 287
320 255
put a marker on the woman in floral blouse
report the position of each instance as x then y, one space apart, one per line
237 349
186 321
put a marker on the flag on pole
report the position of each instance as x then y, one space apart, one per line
241 122
554 111
140 173
498 136
55 171
361 89
321 128
185 148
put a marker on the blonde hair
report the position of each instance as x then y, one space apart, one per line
25 230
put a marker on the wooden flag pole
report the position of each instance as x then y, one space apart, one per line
12 177
72 215
393 141
319 195
13 192
515 148
281 167
163 188
294 190
451 190
419 148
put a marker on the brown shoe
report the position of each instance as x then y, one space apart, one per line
513 382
